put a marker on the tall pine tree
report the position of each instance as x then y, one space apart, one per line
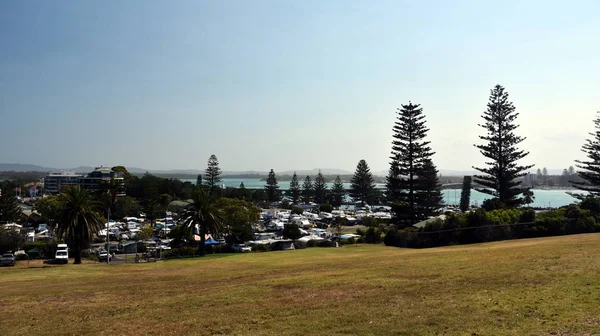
590 169
320 189
428 195
294 191
501 176
362 185
212 176
337 192
307 190
272 188
465 194
199 180
410 151
10 208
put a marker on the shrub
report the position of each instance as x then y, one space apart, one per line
326 208
391 237
492 204
261 248
325 243
360 240
222 248
298 245
372 236
46 248
312 243
297 211
591 203
185 251
369 221
360 232
86 254
21 256
291 231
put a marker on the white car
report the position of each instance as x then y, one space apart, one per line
241 248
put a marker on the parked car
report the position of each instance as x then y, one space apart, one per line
7 259
103 255
241 248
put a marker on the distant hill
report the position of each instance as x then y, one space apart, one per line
19 167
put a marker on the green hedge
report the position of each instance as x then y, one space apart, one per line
484 226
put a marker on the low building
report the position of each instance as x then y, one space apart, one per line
54 182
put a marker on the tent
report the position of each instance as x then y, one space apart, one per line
211 241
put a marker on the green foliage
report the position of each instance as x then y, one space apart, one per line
428 195
320 189
307 190
528 197
259 196
372 236
412 183
326 208
49 207
127 206
294 191
337 192
203 212
369 221
465 194
46 249
186 251
10 240
500 178
262 248
592 204
482 226
181 235
77 222
291 231
312 243
238 217
272 188
493 204
362 185
10 209
297 211
222 248
590 169
338 225
212 176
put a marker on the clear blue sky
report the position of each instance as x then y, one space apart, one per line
288 84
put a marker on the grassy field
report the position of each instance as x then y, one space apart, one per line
548 286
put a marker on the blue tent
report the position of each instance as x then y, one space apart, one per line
211 241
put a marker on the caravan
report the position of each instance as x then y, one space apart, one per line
62 253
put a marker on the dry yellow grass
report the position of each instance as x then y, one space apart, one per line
548 286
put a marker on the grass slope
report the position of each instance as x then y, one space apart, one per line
548 286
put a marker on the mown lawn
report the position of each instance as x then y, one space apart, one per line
548 286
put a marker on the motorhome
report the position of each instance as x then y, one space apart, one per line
62 253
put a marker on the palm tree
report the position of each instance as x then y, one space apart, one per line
77 221
202 211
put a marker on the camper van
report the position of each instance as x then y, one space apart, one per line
62 253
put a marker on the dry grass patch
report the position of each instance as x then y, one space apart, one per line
525 287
